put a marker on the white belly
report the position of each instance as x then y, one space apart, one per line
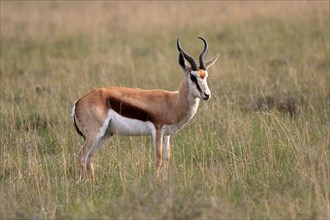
129 127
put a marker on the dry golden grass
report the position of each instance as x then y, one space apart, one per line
258 149
40 19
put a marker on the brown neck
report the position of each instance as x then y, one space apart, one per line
184 101
182 98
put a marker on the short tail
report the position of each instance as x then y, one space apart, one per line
77 129
75 123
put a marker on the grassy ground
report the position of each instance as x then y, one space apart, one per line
258 149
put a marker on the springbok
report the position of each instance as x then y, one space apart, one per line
104 112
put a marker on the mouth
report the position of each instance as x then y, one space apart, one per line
206 97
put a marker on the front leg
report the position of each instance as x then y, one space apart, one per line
158 145
167 153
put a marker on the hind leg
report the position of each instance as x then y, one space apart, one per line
84 159
96 133
85 156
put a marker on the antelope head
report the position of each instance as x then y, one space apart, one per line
197 75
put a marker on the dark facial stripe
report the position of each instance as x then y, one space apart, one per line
128 110
198 87
194 80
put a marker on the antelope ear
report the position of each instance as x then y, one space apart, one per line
209 63
182 61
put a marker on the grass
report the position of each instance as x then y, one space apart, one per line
258 149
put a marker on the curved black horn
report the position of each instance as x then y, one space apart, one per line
203 54
191 60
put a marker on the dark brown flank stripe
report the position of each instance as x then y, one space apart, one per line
128 110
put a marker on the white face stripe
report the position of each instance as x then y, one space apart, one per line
204 86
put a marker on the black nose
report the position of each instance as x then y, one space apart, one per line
207 96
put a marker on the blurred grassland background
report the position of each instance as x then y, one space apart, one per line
258 149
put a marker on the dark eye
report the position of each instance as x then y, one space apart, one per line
193 78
